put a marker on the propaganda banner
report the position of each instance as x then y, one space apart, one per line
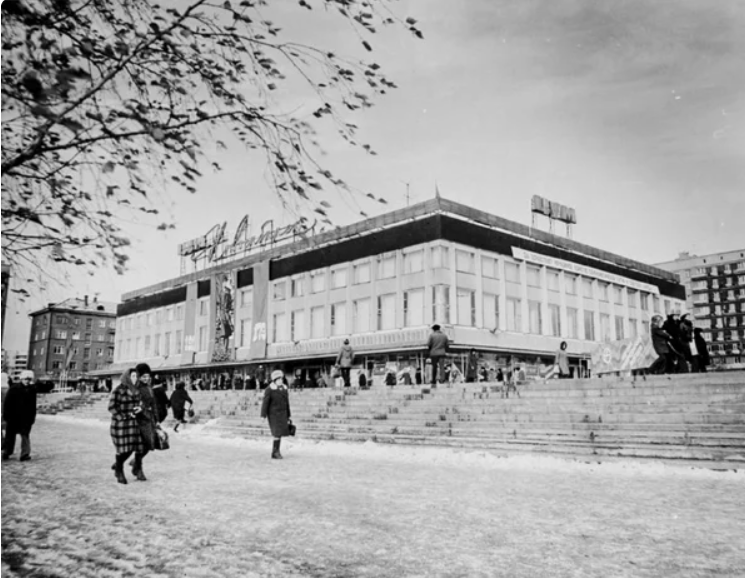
260 307
223 347
625 355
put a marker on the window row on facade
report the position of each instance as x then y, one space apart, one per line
75 336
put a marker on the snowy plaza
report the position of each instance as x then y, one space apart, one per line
221 507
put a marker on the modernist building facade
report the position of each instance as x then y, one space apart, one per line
715 295
71 339
510 292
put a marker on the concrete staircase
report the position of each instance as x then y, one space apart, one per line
694 417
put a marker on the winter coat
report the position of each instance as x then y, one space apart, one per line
130 433
562 360
178 401
345 357
660 339
703 350
19 408
276 406
438 344
162 403
472 370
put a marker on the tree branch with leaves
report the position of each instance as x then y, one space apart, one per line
99 97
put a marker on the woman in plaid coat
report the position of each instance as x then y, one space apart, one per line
132 420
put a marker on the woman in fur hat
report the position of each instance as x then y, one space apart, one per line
276 407
132 408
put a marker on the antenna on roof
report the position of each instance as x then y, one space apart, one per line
437 191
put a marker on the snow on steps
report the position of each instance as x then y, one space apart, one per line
683 417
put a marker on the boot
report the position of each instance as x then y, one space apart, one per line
275 450
119 469
137 468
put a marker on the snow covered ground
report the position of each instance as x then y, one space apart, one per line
221 507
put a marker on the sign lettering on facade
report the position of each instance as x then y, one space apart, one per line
582 270
553 210
214 246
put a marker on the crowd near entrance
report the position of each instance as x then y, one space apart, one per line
370 370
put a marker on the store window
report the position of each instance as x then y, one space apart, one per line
589 325
338 318
535 318
414 261
489 267
491 311
512 272
466 302
465 261
387 311
440 257
514 314
339 278
554 312
386 266
414 307
297 325
317 328
533 274
361 273
361 315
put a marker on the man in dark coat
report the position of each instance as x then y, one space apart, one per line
162 403
19 415
675 343
276 407
703 351
437 349
661 343
472 369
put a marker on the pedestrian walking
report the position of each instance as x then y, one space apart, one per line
344 361
179 399
19 415
162 403
132 408
276 407
437 349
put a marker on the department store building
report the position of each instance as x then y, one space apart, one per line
288 298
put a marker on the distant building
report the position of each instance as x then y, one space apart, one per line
71 338
13 363
715 296
509 291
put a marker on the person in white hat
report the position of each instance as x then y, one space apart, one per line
276 407
19 415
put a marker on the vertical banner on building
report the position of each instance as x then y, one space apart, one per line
223 331
260 312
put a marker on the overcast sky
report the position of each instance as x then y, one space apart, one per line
632 112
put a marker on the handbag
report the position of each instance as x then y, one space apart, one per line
161 439
291 427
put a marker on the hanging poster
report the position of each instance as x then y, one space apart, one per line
223 348
260 306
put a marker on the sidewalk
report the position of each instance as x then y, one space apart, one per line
222 507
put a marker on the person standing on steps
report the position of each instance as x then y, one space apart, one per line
276 407
19 415
437 349
344 360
